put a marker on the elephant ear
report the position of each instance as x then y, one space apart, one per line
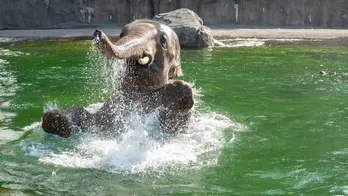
175 71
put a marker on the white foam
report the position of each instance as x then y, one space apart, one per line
6 116
36 149
3 62
141 149
247 43
341 152
8 90
340 189
32 126
5 104
7 52
252 42
7 135
8 39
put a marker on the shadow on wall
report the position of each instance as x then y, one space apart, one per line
66 13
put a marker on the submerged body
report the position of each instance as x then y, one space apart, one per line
152 56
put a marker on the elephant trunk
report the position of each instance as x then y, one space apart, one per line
128 47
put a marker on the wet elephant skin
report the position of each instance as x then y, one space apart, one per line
151 52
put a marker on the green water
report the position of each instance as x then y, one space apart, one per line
287 132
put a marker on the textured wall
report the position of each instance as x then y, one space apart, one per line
44 13
317 13
21 14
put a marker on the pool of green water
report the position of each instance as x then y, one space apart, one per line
267 123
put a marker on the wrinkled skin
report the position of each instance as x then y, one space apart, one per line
152 54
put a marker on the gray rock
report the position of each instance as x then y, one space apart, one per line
189 28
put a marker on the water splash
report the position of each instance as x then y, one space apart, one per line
108 73
52 105
142 147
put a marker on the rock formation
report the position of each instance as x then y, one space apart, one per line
189 28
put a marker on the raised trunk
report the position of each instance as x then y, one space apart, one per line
128 47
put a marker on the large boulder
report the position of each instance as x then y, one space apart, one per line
189 28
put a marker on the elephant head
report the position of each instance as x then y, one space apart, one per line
151 51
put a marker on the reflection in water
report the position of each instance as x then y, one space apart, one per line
207 55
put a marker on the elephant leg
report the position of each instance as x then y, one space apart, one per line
178 97
63 122
178 100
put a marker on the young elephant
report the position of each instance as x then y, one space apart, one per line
152 56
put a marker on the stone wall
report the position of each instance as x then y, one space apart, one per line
301 13
24 14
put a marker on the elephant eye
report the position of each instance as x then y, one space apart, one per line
163 41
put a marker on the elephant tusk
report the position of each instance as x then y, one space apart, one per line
144 61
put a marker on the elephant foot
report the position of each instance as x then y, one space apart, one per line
55 122
179 97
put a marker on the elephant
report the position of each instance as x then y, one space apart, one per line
151 54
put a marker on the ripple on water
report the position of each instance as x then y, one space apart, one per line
8 39
8 89
3 62
7 52
340 189
7 135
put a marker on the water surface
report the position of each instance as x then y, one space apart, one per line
266 124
